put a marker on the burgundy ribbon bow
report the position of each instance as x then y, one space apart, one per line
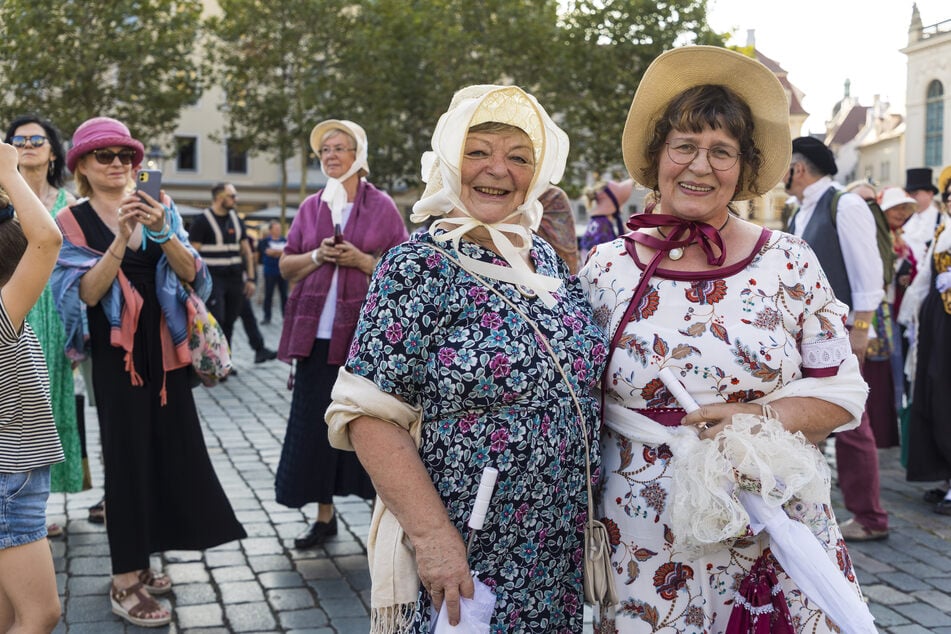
683 234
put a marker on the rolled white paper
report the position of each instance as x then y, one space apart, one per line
483 495
678 390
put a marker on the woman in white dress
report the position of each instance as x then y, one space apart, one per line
743 317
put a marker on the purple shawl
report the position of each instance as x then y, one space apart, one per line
375 225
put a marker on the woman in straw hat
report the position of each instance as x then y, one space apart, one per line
742 316
448 375
337 237
121 249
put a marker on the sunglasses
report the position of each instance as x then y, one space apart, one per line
106 157
36 140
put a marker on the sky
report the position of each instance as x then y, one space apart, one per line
821 43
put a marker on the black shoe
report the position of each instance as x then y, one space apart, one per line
933 496
316 534
263 355
943 507
265 321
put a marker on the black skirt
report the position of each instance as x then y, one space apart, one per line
162 492
929 426
310 469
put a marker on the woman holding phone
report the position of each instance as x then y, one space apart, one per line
120 248
337 237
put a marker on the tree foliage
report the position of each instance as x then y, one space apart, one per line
603 50
274 61
70 60
390 65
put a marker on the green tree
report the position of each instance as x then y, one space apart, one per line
603 50
70 60
404 59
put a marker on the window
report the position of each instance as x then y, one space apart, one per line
237 157
885 170
934 123
187 153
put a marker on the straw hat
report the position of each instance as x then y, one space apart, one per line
679 69
604 205
943 179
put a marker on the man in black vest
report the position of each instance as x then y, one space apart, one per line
220 237
847 249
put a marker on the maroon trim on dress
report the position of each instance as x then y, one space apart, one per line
718 273
666 416
819 373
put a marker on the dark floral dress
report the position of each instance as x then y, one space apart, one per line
492 396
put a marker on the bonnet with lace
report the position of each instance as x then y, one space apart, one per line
441 172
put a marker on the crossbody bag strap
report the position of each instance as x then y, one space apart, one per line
554 357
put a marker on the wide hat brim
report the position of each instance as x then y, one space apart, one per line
76 152
681 68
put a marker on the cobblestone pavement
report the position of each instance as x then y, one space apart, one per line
262 584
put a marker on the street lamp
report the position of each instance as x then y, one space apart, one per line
154 157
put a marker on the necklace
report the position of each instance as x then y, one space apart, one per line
678 252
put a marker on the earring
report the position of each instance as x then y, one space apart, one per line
51 167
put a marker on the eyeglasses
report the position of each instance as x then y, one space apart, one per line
36 140
721 158
106 157
337 149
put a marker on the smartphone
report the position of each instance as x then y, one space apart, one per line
150 182
338 234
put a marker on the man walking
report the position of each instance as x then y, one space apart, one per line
845 244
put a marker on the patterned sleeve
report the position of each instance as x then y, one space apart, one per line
824 340
402 309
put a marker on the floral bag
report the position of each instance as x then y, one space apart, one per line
211 356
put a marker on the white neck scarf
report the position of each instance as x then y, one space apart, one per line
442 174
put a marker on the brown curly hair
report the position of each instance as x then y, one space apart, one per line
712 106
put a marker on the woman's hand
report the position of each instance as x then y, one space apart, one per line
710 420
128 220
444 570
148 211
346 254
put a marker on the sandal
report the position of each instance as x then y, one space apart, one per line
97 512
138 613
155 582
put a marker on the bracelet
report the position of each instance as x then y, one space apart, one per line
313 257
118 257
158 237
253 280
860 324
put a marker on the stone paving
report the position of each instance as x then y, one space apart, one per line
262 584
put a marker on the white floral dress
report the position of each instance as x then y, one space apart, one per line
731 335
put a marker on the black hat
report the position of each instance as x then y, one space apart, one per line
919 178
817 153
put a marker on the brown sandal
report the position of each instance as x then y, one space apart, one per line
155 582
138 614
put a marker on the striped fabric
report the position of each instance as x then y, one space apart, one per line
28 438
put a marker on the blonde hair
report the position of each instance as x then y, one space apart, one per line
84 189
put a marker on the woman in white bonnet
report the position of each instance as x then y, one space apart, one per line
445 378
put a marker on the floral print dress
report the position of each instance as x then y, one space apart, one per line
492 396
730 335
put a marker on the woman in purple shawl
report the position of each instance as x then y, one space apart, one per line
337 238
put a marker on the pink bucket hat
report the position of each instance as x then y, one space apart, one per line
100 132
